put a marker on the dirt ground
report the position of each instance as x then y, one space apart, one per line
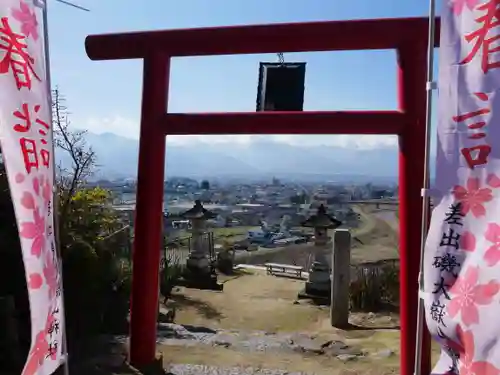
251 301
257 302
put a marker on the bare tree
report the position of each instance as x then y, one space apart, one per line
73 143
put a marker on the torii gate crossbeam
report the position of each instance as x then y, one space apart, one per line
408 36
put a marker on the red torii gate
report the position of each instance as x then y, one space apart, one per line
408 36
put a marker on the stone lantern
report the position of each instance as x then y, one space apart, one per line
199 270
321 222
318 285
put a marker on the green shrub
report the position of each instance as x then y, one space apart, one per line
97 275
96 292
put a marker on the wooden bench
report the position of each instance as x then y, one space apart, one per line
273 268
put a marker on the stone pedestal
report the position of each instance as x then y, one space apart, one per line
318 285
199 272
200 278
198 262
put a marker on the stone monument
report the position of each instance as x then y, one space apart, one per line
200 271
341 278
318 285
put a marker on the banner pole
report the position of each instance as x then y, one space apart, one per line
430 86
55 195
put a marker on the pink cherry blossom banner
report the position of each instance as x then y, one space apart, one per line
27 149
462 254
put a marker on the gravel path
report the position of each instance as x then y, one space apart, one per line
212 370
240 341
255 341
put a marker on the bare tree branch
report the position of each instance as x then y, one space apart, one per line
73 143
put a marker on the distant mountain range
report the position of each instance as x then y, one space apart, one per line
117 158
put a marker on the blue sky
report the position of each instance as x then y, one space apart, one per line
105 96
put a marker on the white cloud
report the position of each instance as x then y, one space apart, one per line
343 140
129 128
117 125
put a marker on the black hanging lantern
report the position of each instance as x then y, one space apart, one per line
281 86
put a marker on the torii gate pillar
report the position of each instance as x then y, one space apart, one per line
408 36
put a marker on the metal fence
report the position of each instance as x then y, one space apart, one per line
178 250
173 255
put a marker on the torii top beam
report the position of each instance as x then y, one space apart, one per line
286 37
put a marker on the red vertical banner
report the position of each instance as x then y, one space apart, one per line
27 149
462 254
